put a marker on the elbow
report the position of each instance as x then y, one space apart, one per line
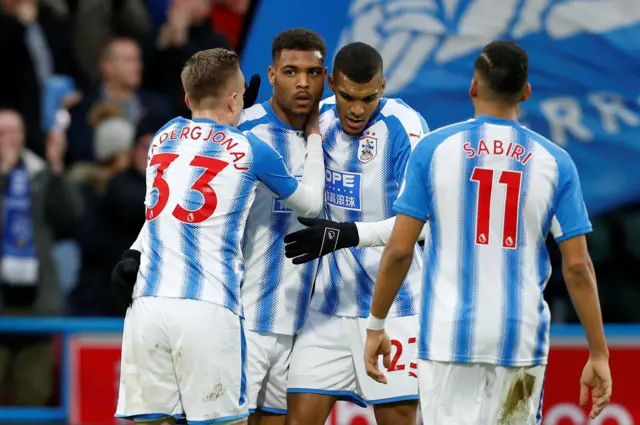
314 210
577 272
399 255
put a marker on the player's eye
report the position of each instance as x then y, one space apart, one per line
315 72
370 99
289 73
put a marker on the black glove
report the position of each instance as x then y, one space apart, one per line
123 276
251 91
320 238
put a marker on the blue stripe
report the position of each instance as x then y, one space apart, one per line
431 272
544 272
404 305
224 419
156 245
156 258
512 272
190 243
309 273
363 283
333 282
194 275
464 321
243 360
272 273
340 395
231 243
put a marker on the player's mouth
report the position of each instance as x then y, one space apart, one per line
303 99
354 123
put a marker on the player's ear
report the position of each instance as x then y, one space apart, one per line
186 101
331 83
271 73
526 94
473 89
384 85
324 71
232 100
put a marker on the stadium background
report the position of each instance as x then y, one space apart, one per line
585 72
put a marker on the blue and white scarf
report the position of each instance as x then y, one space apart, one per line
19 263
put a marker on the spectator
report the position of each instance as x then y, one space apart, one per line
186 31
113 140
37 202
34 37
121 76
98 21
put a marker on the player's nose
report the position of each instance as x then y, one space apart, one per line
303 81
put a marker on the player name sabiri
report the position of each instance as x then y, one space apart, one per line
219 137
511 150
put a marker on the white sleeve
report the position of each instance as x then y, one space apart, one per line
377 233
308 198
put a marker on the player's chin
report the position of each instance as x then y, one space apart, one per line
301 110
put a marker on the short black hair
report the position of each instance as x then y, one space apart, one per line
505 67
359 62
300 39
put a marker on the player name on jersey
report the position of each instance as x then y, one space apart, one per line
497 147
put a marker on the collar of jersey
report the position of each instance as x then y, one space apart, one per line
376 114
276 119
497 121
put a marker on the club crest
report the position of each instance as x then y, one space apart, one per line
367 147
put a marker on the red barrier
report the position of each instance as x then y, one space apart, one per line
95 361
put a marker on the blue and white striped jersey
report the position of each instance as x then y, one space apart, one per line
276 292
201 182
491 190
363 177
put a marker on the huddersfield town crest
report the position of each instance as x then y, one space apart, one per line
368 147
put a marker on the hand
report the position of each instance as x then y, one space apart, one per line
596 377
251 91
124 274
313 122
377 344
27 11
319 239
55 150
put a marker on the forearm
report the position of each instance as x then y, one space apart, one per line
377 233
308 199
394 266
581 285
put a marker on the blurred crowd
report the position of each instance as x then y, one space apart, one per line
84 86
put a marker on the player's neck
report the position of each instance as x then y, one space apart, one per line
496 111
117 92
296 121
211 114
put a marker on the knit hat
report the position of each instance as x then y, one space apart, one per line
112 136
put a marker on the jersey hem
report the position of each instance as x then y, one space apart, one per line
487 360
355 316
340 395
275 331
237 313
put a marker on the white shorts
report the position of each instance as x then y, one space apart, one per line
267 370
478 393
328 358
182 358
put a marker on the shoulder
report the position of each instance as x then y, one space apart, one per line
400 118
253 116
560 156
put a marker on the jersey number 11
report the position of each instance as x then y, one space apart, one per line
512 180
